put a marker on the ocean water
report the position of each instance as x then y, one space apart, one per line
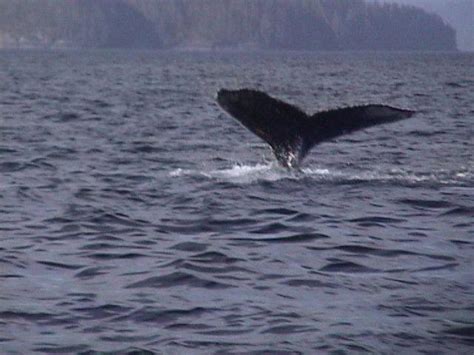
137 217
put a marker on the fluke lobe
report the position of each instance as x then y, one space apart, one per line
290 132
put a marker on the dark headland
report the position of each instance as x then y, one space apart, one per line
221 24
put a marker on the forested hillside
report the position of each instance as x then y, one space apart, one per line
74 23
458 13
215 24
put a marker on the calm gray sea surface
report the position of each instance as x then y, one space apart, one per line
137 216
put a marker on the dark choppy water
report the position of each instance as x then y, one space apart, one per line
135 215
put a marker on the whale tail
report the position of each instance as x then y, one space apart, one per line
289 131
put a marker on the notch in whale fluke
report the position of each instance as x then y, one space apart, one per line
291 132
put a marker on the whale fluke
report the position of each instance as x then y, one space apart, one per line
289 131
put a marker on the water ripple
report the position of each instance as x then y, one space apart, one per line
137 218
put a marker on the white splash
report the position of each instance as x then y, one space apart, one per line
180 172
245 174
249 173
365 175
240 173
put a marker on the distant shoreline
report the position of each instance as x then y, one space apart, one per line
208 25
225 50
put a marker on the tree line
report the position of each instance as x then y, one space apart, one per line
217 24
